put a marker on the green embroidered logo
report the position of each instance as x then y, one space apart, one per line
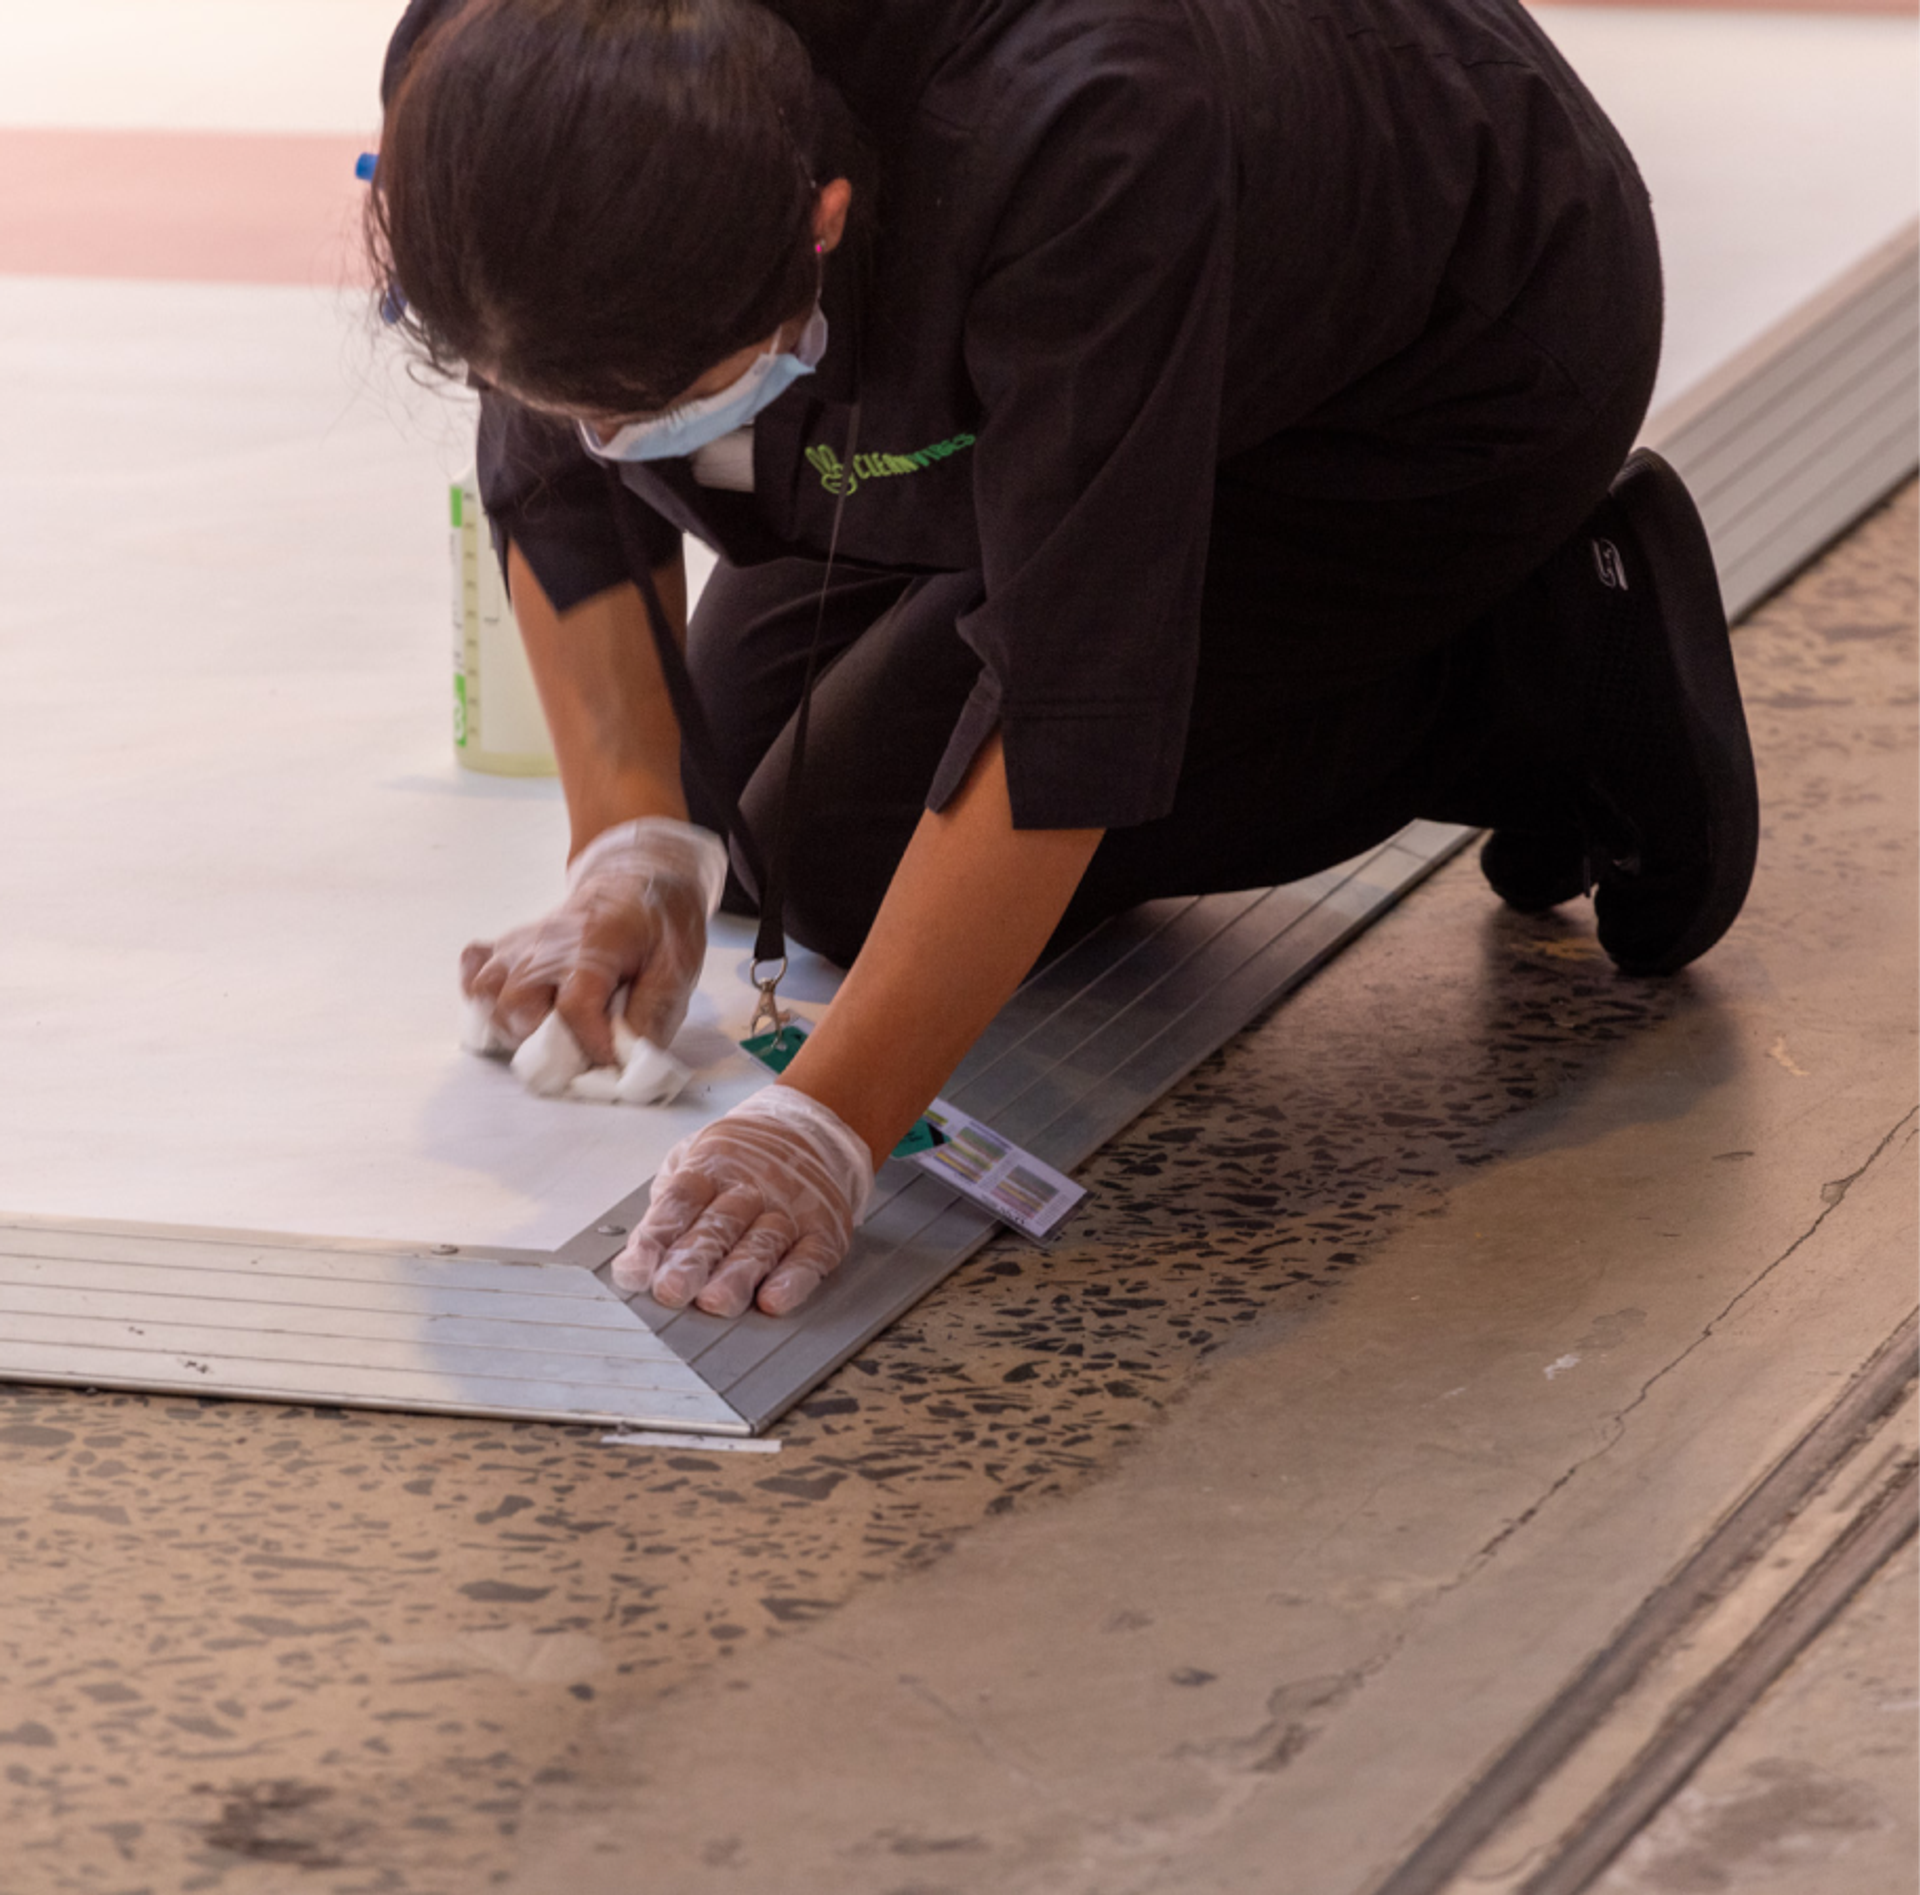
842 477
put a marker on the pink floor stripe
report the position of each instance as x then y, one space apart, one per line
202 207
224 207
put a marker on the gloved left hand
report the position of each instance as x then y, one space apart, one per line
758 1206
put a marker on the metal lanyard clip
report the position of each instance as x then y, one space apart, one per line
768 1016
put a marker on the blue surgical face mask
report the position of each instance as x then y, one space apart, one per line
696 424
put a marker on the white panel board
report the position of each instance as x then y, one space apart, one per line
1779 148
240 860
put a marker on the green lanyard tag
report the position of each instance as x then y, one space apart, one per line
775 1051
921 1136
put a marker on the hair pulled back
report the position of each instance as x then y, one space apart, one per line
596 201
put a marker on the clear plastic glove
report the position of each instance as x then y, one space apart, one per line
635 914
759 1206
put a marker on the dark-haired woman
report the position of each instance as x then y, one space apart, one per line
1212 410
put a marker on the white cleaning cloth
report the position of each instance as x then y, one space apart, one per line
552 1063
650 1076
550 1060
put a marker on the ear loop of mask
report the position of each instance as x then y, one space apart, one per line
770 941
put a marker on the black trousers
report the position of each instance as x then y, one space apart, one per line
1364 661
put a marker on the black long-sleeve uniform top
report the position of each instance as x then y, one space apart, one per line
1121 242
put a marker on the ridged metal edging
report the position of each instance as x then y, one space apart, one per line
1802 431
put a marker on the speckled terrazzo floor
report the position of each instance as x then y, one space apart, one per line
246 1648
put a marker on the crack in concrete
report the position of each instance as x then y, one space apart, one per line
1833 1194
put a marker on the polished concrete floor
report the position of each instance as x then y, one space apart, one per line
1400 1353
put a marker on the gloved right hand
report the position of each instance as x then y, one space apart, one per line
635 914
758 1206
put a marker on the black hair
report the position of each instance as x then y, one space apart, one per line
596 201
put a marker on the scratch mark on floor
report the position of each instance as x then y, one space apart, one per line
1778 1053
966 1726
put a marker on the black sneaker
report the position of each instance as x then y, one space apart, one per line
1669 803
1534 873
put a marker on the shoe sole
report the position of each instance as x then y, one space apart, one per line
1528 888
1673 544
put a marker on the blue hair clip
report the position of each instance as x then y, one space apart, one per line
392 305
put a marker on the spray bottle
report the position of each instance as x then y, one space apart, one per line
498 725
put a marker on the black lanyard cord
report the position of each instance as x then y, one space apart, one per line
770 945
696 735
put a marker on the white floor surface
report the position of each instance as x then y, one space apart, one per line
1779 149
240 861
